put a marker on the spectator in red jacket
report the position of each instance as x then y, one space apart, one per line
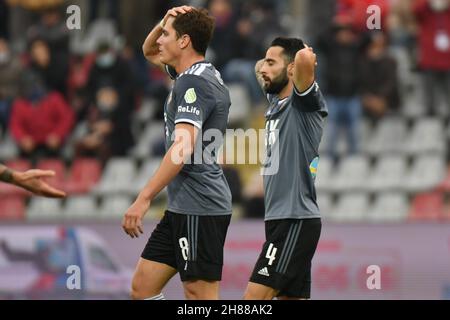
433 17
40 120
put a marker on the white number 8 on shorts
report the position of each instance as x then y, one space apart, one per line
184 246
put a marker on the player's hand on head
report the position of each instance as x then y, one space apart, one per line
132 220
176 11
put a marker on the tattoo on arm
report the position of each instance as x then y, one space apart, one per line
6 175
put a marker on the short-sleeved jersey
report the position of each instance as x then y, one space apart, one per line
198 97
294 128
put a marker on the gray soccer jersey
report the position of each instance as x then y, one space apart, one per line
198 97
294 129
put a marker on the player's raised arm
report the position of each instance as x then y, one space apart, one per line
304 69
150 47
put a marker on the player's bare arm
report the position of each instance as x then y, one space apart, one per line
31 180
304 68
172 163
150 48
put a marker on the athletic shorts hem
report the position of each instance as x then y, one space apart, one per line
193 213
159 260
290 217
209 272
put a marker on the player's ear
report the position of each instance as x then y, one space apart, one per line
290 69
185 39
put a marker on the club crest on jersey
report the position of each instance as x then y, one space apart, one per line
313 167
190 96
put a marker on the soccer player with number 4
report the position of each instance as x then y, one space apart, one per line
295 121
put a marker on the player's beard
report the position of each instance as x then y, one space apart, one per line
276 85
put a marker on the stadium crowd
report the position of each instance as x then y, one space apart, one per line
86 104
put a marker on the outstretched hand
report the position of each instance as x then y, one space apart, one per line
33 181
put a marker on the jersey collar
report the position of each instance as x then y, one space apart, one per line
277 106
191 67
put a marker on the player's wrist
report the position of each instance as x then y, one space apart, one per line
7 175
145 196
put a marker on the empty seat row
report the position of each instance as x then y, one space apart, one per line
121 176
393 134
78 207
386 207
391 172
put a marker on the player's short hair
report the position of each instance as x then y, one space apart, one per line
290 47
199 25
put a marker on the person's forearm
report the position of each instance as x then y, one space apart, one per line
304 75
167 171
6 174
150 47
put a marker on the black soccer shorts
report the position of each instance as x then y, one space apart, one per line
191 244
285 261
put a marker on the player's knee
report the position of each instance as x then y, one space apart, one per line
136 292
193 292
252 294
201 291
139 291
258 292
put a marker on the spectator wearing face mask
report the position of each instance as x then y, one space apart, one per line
109 127
10 69
40 120
433 17
110 69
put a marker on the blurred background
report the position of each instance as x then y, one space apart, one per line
86 104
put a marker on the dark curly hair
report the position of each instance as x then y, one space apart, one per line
199 25
290 46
